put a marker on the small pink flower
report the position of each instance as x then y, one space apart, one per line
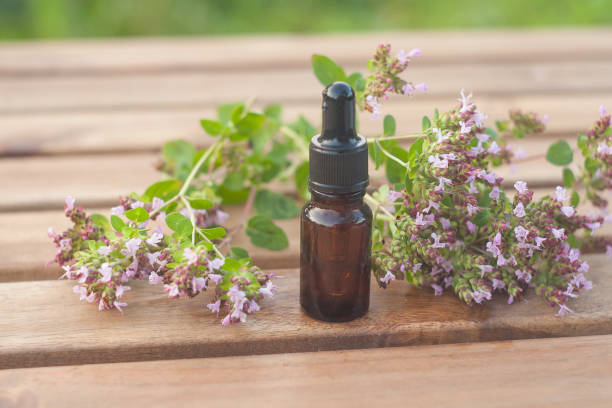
154 278
70 203
498 284
593 226
465 102
198 284
119 305
252 306
394 195
105 250
415 52
101 305
226 320
190 255
442 181
520 233
539 241
490 177
494 194
472 209
494 149
106 271
563 310
215 264
465 128
437 243
121 289
568 211
403 57
172 290
214 307
84 273
131 247
220 217
437 162
608 251
387 278
471 227
446 224
558 233
137 204
268 290
560 194
480 295
118 210
155 239
408 89
519 210
374 105
523 275
484 269
602 111
157 203
437 289
421 87
80 290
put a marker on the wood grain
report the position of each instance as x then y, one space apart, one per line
140 130
74 93
92 57
539 373
43 323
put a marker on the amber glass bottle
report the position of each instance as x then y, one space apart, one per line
336 225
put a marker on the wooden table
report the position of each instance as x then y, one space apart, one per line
87 118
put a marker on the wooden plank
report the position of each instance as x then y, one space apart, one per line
146 130
43 182
577 372
154 327
265 51
117 92
25 249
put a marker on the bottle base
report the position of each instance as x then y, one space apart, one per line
317 315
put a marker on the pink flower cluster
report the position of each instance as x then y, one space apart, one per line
454 226
386 80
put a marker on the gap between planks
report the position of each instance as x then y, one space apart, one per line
44 324
539 373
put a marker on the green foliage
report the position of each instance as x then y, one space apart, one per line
214 233
395 172
560 153
117 223
212 127
326 70
275 205
568 178
137 215
263 233
180 224
165 190
178 155
425 123
389 126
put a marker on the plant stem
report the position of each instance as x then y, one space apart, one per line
378 206
197 166
410 136
297 140
245 216
389 155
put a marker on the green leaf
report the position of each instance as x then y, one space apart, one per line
447 200
560 153
389 126
489 131
234 181
376 154
179 154
237 114
485 200
568 178
180 224
224 112
395 172
163 189
265 234
573 241
426 123
301 180
357 81
304 128
137 215
518 133
214 233
591 165
117 223
200 204
273 111
482 217
275 205
239 252
251 122
415 150
102 222
574 199
212 127
326 70
371 65
229 197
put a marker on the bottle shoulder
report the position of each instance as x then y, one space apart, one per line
328 215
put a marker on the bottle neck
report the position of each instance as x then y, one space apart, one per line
333 199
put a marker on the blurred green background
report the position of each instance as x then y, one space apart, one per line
106 18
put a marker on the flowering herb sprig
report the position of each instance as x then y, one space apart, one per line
445 222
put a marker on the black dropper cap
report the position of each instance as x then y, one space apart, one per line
338 156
